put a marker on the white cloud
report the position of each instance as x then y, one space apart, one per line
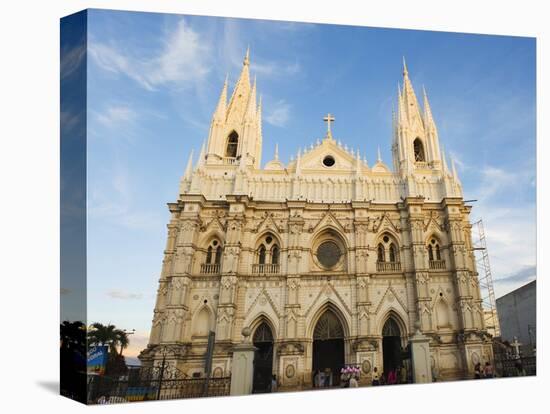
72 59
120 294
182 60
278 114
115 115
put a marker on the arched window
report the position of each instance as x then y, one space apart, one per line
275 255
434 255
381 253
392 253
430 252
218 255
232 143
261 254
419 151
213 258
268 255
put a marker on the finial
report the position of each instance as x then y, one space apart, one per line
405 71
379 156
276 152
247 56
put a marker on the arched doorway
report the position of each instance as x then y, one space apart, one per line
391 345
328 347
263 358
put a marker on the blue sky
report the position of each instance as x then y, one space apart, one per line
154 80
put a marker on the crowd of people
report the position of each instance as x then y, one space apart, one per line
486 372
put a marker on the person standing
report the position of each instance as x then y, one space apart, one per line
403 375
477 371
273 387
353 382
488 371
392 377
375 377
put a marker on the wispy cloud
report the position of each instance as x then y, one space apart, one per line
72 59
278 114
523 275
182 59
124 295
115 115
114 203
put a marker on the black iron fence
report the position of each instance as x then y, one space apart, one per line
142 384
514 367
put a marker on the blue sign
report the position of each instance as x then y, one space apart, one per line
97 359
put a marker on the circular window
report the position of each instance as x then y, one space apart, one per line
268 239
328 161
386 239
215 243
328 254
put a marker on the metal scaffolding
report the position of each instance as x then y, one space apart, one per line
485 280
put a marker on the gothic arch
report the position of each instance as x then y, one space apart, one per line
332 230
419 150
264 234
398 318
434 247
328 305
204 314
260 318
232 144
388 241
443 314
206 238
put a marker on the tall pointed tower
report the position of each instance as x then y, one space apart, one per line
235 136
416 143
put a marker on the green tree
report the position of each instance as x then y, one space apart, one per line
109 335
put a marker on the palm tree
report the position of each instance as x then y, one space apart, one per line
109 335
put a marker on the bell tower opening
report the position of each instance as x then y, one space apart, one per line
232 144
419 155
328 349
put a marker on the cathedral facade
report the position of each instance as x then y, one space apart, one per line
329 261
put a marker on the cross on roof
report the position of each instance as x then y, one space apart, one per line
328 119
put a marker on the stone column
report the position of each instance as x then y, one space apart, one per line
420 352
242 366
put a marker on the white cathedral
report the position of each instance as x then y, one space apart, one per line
329 261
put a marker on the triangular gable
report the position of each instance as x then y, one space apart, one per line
263 293
329 220
328 290
389 290
312 159
215 224
268 224
386 223
432 223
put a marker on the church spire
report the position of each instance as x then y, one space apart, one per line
410 103
221 108
242 88
444 160
200 161
276 156
189 168
251 107
428 117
